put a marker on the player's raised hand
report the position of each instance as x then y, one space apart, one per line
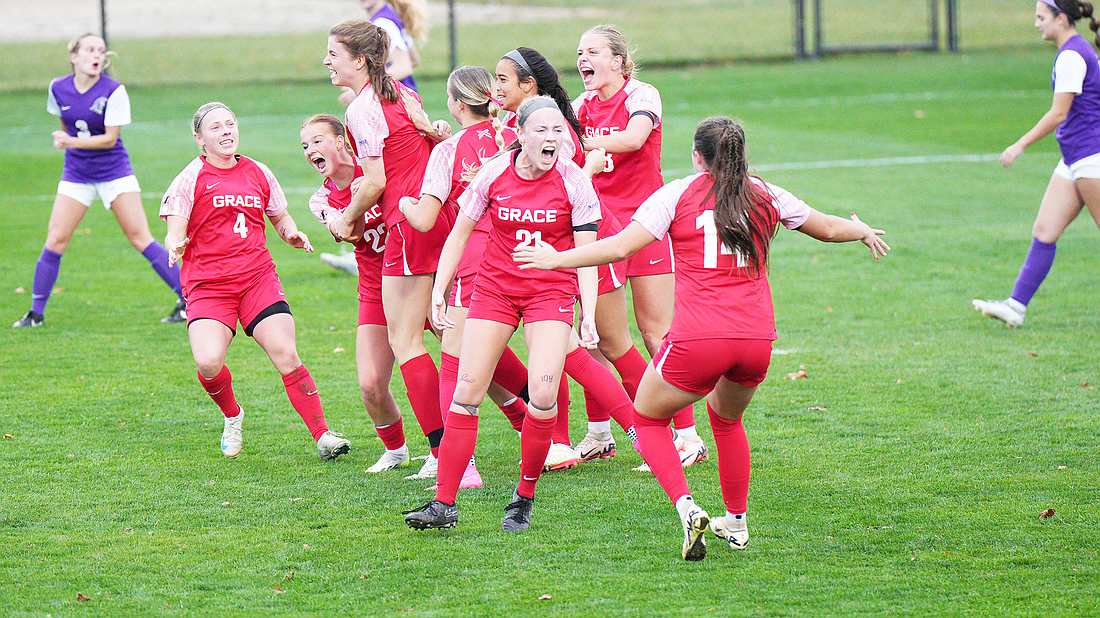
539 255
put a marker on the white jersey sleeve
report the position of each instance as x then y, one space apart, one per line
117 113
793 212
51 101
474 201
276 203
1069 72
657 211
439 176
179 199
582 196
320 207
397 38
578 103
644 98
366 123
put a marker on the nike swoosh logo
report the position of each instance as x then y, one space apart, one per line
389 264
565 309
527 478
65 107
652 262
311 394
209 187
501 198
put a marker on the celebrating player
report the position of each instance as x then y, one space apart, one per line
215 212
532 195
1075 113
393 155
324 141
720 221
93 109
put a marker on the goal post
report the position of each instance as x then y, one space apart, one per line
812 15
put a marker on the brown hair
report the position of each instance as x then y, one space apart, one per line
334 126
1075 10
546 83
616 42
472 86
739 204
364 40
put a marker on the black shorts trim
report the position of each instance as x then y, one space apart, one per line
273 309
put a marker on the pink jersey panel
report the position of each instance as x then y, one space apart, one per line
328 202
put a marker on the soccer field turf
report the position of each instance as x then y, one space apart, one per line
904 476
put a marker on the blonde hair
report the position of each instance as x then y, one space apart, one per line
616 42
362 38
473 86
74 47
414 15
334 126
203 110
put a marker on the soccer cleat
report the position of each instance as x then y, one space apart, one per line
695 523
1001 310
471 478
733 530
560 457
642 468
331 445
517 515
428 470
342 261
594 446
681 449
30 319
232 434
692 453
434 515
390 460
179 314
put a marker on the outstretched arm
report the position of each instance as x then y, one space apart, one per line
611 249
830 228
288 231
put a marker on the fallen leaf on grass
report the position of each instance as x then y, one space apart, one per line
81 597
545 597
1047 514
8 435
818 408
1033 355
279 590
1061 467
337 350
295 499
20 290
801 373
226 503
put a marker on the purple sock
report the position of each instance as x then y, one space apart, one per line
45 276
1039 260
158 259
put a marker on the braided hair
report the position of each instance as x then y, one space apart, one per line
1075 10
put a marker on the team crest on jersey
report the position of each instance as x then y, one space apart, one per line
99 105
484 133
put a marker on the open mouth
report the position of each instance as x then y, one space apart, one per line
319 162
586 74
547 154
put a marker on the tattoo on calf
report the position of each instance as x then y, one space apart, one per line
548 378
466 378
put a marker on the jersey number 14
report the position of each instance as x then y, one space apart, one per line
712 242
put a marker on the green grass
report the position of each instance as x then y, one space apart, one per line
905 476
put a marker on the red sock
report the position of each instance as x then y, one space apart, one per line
733 461
597 380
596 413
515 412
220 389
655 444
684 418
422 388
561 429
448 381
303 396
631 367
510 372
534 443
392 435
455 451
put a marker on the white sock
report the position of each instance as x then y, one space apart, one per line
1017 305
688 434
735 516
601 428
684 504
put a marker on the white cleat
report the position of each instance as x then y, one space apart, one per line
341 261
732 530
595 446
331 445
428 470
692 453
695 523
1002 310
390 460
560 457
232 435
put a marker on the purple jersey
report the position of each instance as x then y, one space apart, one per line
85 114
1079 134
405 42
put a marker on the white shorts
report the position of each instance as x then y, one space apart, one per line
1089 167
85 192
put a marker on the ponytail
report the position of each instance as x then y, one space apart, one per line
364 40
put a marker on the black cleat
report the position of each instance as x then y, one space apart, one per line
517 515
433 515
29 320
179 314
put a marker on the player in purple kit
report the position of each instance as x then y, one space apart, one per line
721 221
1075 116
93 109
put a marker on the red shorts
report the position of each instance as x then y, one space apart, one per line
369 264
232 301
654 259
462 292
610 277
488 304
409 252
695 365
370 312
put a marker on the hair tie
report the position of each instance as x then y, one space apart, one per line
489 95
517 57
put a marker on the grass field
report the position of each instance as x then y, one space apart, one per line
904 477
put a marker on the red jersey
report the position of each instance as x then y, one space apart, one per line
630 177
522 211
714 296
467 149
380 129
225 211
327 203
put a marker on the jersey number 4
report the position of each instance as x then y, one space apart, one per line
712 242
240 227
